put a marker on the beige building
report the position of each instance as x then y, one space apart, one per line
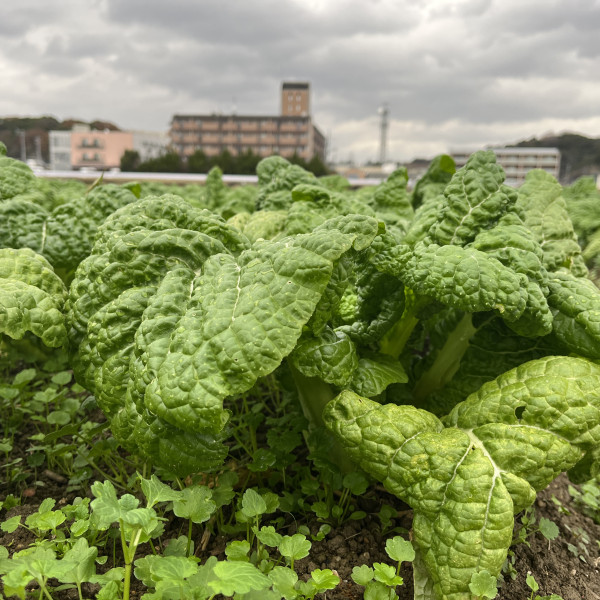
99 149
287 134
518 161
84 148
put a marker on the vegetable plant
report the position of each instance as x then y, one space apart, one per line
442 341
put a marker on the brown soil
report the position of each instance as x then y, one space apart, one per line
568 566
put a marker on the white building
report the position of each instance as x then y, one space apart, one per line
150 144
59 143
518 161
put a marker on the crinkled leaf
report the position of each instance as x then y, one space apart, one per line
15 177
467 480
436 178
511 243
463 278
475 199
375 372
331 357
265 224
31 297
172 319
545 214
64 236
575 304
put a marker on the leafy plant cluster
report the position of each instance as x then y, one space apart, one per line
441 341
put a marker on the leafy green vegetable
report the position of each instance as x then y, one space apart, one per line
173 312
31 297
466 477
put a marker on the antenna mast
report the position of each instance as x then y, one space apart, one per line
383 126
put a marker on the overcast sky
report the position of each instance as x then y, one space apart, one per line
455 74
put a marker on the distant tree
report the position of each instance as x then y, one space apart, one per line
246 162
225 161
166 163
317 166
198 162
130 161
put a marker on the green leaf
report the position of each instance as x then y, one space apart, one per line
548 529
386 574
464 278
532 584
376 590
46 521
474 200
375 372
268 536
177 546
82 559
58 417
156 491
575 304
321 509
182 313
545 210
294 547
284 581
331 357
483 585
356 482
324 579
238 578
10 525
105 506
253 504
238 550
24 376
362 575
62 378
79 527
173 568
195 503
399 549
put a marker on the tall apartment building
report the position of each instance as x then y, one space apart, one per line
291 132
518 161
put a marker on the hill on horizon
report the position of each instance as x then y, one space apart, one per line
580 155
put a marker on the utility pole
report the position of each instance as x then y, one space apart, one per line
38 150
383 126
21 134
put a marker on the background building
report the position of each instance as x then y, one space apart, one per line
59 147
518 161
85 148
287 134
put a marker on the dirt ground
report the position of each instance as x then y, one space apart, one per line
568 566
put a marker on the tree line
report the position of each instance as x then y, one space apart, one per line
198 162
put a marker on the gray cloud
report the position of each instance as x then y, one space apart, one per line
492 67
